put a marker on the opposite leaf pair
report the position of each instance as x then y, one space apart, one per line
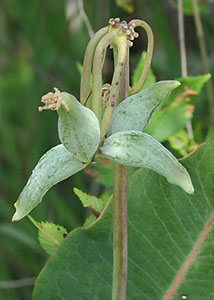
79 133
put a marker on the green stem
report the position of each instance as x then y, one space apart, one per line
120 227
135 23
120 233
87 64
204 56
98 61
120 57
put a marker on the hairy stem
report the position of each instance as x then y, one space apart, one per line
87 64
122 49
135 23
98 61
203 50
120 230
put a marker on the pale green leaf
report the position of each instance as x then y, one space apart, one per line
138 149
135 111
79 129
50 235
94 203
54 166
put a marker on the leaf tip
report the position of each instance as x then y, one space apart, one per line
16 217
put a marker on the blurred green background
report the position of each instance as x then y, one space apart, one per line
41 43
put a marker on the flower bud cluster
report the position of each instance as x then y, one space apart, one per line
124 27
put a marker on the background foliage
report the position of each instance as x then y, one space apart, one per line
41 43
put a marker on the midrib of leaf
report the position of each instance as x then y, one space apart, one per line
189 260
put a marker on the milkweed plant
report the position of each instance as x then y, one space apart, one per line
107 122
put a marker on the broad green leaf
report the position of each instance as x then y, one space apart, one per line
150 80
190 87
54 166
94 203
135 111
177 109
78 126
138 149
170 236
50 235
169 121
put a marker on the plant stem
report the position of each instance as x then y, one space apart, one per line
182 39
183 55
120 227
120 233
120 62
98 61
135 23
87 64
203 50
85 18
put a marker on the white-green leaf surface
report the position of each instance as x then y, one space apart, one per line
138 149
135 111
54 166
79 129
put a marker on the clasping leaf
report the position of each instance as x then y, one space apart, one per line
135 112
138 149
54 166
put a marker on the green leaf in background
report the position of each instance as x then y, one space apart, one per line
182 143
173 115
150 80
171 245
95 204
50 235
187 6
127 5
188 9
